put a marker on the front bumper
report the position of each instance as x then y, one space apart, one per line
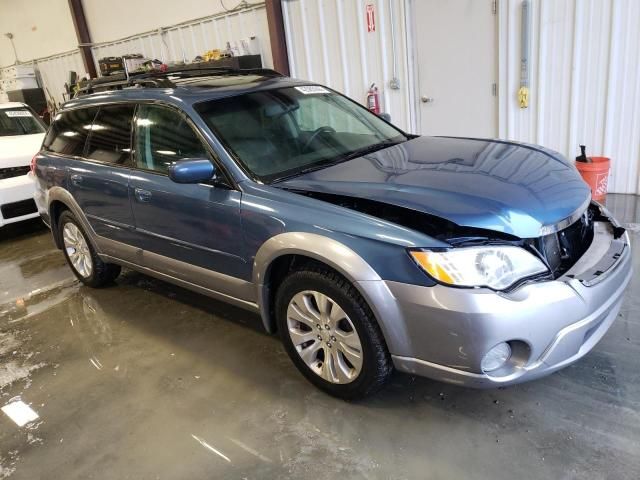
548 324
16 199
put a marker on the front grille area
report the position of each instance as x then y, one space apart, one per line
17 209
13 172
563 249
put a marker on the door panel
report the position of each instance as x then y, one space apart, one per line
189 231
102 192
101 184
196 224
456 49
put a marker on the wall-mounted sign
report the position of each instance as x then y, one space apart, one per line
371 18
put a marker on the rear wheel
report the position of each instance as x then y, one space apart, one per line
81 256
331 334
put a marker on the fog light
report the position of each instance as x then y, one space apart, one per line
496 357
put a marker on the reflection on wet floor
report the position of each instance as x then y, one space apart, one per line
146 380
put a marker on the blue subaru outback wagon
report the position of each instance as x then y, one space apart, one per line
471 261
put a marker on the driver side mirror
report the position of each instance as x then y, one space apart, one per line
192 170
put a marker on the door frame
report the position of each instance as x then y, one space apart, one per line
411 41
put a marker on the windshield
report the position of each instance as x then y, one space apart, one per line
281 133
18 121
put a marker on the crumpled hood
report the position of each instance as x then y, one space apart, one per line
18 150
497 185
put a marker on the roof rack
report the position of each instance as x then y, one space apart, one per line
158 79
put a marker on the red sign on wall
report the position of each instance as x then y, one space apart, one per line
371 18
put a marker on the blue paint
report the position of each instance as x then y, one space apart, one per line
499 186
496 185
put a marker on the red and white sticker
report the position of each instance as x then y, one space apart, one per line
371 18
601 184
312 89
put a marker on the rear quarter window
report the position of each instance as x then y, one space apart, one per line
69 131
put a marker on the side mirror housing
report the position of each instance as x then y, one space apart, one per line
196 170
385 116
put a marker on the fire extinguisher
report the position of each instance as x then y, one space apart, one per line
373 99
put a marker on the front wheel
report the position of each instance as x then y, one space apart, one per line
81 256
331 335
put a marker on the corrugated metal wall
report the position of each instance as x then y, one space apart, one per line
175 43
54 72
585 81
185 41
584 66
328 42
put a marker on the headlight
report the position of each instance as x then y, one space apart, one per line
497 267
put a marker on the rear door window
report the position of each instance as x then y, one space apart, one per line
163 136
110 139
69 131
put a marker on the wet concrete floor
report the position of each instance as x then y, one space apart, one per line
144 380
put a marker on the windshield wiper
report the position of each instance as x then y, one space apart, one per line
366 150
340 159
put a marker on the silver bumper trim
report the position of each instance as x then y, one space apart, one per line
557 322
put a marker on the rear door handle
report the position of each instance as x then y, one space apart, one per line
76 179
143 195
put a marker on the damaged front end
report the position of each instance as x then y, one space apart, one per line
560 250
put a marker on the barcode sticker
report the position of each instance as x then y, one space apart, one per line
17 113
312 89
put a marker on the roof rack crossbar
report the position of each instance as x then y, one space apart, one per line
197 71
162 80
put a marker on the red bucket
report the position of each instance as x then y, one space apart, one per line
596 174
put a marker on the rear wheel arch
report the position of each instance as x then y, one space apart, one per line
55 210
60 200
81 255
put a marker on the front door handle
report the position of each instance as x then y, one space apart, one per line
143 195
76 179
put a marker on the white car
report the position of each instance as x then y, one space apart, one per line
21 135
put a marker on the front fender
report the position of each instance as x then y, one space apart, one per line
342 259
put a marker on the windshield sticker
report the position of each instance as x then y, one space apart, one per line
311 89
17 113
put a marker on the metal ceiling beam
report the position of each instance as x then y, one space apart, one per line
84 38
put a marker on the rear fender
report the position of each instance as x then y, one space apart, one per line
64 196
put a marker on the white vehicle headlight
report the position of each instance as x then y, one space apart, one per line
496 267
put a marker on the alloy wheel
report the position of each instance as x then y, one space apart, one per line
324 337
77 250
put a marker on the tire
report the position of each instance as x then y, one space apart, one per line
343 375
93 272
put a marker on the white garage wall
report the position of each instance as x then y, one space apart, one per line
189 39
113 19
39 27
328 42
45 27
585 81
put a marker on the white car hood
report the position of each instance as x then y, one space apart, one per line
18 150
